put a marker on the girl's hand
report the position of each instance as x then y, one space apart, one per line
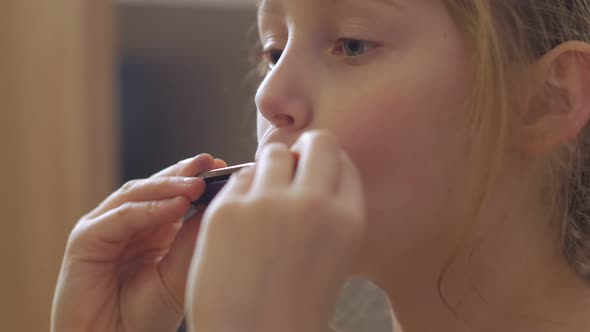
277 244
126 262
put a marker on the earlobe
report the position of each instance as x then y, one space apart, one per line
560 108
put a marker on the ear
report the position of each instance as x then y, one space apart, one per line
560 106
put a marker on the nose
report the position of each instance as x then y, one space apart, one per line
285 98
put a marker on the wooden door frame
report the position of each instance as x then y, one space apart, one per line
59 143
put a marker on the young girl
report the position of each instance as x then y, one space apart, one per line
442 154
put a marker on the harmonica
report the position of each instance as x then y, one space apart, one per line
214 182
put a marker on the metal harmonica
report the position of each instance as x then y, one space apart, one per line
214 181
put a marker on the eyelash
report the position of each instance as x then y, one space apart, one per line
272 56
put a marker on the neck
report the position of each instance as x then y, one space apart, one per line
512 279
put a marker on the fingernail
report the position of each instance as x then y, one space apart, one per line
189 181
204 158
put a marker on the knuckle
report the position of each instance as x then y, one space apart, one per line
124 209
78 230
151 207
129 186
160 181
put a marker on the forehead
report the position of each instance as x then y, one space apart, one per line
275 5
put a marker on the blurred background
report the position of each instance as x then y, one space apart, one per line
94 93
184 82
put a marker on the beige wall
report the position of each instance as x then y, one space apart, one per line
57 142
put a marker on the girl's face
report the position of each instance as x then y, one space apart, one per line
390 78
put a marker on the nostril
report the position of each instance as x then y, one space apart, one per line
282 120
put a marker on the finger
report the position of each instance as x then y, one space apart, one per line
175 265
199 166
153 189
319 163
274 169
123 222
239 183
219 163
350 192
189 167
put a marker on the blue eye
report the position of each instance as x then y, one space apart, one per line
349 47
353 47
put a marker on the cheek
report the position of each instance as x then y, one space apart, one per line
406 127
411 148
398 142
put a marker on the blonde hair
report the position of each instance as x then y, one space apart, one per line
506 37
